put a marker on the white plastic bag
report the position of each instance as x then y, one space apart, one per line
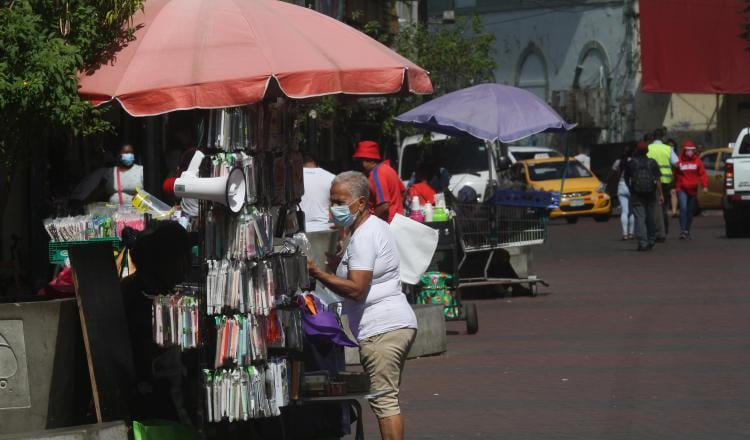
416 244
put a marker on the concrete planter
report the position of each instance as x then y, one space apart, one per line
431 336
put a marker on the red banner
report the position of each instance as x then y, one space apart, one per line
694 46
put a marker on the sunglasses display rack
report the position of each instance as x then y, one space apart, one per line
251 330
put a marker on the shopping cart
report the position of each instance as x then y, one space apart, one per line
485 230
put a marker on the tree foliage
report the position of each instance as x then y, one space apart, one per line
43 44
457 56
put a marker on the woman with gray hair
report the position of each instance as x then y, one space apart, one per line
368 278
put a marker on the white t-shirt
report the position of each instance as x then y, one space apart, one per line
316 200
584 159
385 307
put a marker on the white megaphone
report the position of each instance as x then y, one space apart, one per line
228 190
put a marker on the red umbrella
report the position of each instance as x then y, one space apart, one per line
222 53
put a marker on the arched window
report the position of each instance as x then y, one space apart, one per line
592 71
531 73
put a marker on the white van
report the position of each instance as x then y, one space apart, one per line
469 161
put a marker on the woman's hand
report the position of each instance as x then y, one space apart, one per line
312 268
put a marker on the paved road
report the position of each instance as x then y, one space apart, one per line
623 345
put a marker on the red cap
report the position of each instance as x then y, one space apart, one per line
642 145
367 150
688 145
167 187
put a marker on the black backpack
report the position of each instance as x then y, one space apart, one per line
641 176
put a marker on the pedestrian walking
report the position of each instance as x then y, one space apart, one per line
689 173
673 203
642 176
666 158
386 189
627 220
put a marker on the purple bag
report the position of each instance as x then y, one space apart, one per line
323 324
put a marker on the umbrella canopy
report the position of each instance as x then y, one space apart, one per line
222 53
487 111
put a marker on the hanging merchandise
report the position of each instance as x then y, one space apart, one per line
175 321
279 180
251 192
247 393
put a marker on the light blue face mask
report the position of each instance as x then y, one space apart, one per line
342 216
127 159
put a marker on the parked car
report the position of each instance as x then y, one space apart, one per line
583 194
736 200
714 160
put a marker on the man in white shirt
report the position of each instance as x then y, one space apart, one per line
316 200
583 158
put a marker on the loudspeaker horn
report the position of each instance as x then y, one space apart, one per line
228 190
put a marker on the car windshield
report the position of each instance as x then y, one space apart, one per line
554 170
457 155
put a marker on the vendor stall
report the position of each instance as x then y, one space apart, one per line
248 62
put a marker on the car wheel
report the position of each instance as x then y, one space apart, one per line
571 220
602 218
732 225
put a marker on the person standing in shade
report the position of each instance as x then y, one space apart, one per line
316 200
642 177
689 173
386 189
120 182
666 158
368 277
627 220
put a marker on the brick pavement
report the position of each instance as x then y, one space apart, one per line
623 345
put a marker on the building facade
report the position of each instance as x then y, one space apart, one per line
583 57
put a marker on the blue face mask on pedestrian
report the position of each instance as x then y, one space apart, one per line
127 159
342 216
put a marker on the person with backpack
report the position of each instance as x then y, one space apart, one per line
689 172
643 178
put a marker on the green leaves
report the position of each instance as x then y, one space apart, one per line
43 45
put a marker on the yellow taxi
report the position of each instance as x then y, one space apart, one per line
714 160
583 195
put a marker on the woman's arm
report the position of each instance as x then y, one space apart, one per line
355 287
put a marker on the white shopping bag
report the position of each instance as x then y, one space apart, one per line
416 244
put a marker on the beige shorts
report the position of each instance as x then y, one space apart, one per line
383 357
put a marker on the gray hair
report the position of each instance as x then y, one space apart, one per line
355 182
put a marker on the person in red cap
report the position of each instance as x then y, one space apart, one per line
643 178
386 189
689 173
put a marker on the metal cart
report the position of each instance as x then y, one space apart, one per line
484 230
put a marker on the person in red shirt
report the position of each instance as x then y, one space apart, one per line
421 188
386 189
689 173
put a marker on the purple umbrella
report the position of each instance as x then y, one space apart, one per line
487 111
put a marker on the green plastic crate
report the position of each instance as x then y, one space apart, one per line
58 250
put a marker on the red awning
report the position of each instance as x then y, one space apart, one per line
694 46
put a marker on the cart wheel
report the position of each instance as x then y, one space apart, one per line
472 321
533 289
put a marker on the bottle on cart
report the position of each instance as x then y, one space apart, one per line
428 212
416 211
